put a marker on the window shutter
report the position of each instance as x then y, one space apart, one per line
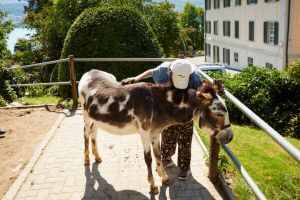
229 3
223 28
265 32
276 33
248 2
251 31
218 60
228 56
228 28
223 55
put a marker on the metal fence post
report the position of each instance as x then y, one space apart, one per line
213 159
73 80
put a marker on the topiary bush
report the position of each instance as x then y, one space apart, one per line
108 32
272 95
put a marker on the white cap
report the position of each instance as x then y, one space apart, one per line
181 71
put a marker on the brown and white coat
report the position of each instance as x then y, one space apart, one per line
147 109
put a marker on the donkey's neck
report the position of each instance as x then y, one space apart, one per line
172 106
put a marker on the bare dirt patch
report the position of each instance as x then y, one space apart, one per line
25 129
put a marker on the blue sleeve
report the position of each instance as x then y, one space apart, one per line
160 73
195 80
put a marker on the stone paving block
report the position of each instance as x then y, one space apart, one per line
60 172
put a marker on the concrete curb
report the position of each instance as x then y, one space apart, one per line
15 187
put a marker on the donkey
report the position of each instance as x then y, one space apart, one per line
147 109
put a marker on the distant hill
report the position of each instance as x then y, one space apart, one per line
15 10
179 4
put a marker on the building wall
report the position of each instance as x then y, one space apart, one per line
261 52
294 36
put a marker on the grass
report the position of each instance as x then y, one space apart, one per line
275 172
41 100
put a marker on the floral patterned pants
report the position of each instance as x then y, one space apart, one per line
182 135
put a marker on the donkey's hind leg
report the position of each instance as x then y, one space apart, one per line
87 132
94 143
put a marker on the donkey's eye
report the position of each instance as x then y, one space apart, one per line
214 108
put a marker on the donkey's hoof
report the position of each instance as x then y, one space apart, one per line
86 162
154 189
98 160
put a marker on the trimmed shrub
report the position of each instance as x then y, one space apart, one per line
272 95
108 32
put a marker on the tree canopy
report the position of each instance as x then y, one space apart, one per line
192 19
5 28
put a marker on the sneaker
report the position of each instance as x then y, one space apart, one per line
184 175
167 162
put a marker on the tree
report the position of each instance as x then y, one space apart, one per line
164 22
111 31
52 19
193 19
5 28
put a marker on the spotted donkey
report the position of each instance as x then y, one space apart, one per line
147 109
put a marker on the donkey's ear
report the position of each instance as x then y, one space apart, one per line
203 85
205 98
218 86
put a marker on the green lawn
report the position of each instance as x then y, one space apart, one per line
46 100
275 172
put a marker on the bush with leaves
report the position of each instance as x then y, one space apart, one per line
272 95
8 77
109 32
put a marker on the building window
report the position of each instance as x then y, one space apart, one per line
269 66
207 4
216 54
208 27
238 2
251 2
208 50
251 30
226 28
226 3
236 57
216 4
267 1
236 29
226 56
271 32
250 61
216 27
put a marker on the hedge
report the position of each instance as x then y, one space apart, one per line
108 32
272 95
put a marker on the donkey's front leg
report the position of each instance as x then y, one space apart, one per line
148 159
155 140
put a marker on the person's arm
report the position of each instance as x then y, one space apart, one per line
144 75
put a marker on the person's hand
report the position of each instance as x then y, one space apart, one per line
129 80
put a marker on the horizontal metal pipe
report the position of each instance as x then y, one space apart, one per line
244 173
39 64
293 151
123 59
36 84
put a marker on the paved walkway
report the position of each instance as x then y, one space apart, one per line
60 174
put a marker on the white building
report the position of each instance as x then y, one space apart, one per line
240 33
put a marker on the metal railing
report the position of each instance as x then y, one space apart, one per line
214 146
